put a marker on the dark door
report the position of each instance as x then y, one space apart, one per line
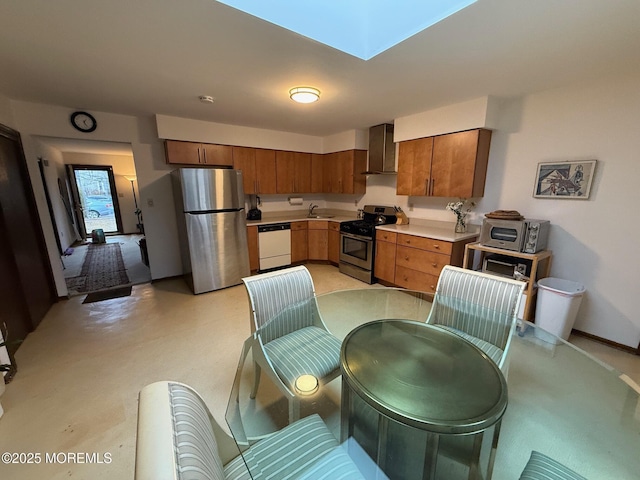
27 285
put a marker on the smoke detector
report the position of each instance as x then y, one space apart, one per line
206 99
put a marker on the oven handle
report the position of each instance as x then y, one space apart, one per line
357 237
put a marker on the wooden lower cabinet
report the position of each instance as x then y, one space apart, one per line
334 242
319 240
252 240
415 262
385 258
416 280
299 242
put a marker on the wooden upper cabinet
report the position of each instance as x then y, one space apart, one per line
204 154
217 154
414 166
452 165
344 172
459 165
318 162
293 172
266 171
244 159
258 168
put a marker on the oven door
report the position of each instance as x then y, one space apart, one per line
356 250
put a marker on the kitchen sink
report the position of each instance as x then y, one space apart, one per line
321 216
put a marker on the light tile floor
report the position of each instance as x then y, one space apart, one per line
81 371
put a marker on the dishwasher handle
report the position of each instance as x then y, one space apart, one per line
274 227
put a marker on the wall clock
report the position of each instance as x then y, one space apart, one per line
83 121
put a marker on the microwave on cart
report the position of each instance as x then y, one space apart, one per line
505 266
526 236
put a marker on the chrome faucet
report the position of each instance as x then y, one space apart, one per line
311 208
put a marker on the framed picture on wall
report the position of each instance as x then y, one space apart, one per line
571 180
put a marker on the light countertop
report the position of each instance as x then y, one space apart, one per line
301 215
444 231
420 227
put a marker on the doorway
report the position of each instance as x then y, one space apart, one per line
95 199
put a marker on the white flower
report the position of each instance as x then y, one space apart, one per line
461 208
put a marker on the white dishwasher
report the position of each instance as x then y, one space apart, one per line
274 245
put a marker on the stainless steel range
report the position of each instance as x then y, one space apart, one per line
357 241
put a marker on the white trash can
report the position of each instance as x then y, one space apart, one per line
557 305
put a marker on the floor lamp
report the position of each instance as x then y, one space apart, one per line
138 212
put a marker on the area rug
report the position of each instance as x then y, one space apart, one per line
108 294
103 268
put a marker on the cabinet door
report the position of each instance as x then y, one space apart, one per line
299 242
459 165
216 155
331 173
318 240
414 167
285 171
183 153
334 242
385 263
302 178
244 159
252 240
265 171
293 172
317 173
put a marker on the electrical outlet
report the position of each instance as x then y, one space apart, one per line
150 202
410 207
355 202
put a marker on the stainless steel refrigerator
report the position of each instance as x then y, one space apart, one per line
212 227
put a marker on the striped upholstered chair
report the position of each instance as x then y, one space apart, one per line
289 337
178 439
481 308
541 467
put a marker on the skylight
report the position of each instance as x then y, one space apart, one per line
362 28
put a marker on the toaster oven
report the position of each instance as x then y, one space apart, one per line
527 236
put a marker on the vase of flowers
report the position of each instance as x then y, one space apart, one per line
461 208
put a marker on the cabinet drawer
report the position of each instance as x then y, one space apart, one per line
334 226
385 236
425 243
299 225
414 280
421 260
319 225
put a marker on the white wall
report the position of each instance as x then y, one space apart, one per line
6 114
54 172
33 120
594 241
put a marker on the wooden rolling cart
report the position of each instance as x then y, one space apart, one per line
540 268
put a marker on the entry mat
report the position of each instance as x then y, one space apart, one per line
108 294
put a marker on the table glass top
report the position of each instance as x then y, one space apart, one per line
424 376
561 401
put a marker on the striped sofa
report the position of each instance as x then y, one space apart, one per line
481 308
178 439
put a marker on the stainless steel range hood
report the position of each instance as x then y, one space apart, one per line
382 150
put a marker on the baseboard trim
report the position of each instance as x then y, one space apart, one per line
610 343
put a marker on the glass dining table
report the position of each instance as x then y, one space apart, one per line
557 399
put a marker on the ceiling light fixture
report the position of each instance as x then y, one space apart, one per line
206 99
304 94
